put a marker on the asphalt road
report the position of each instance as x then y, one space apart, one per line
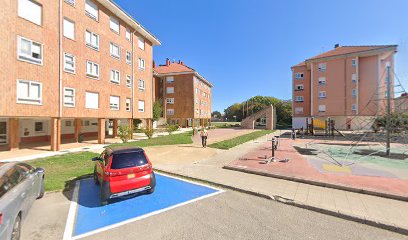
233 215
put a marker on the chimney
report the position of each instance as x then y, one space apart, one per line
154 64
336 45
181 62
167 62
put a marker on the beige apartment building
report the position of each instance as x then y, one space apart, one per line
401 103
346 84
71 69
186 95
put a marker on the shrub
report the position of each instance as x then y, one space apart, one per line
125 133
171 128
148 132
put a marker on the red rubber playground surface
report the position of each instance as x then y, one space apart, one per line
312 169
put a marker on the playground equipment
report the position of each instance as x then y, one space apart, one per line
313 125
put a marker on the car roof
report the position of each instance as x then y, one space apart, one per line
124 149
4 166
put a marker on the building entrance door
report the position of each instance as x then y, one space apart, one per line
3 132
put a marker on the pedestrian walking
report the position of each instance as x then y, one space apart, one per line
204 136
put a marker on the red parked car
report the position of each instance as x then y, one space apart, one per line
122 171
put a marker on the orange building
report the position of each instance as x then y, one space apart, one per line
346 84
74 67
186 95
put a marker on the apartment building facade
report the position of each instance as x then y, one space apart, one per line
346 84
186 96
401 103
74 67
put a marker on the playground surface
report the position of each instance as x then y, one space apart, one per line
359 167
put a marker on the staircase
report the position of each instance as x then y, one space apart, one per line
269 113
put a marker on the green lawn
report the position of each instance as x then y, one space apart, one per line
230 143
181 138
61 170
225 124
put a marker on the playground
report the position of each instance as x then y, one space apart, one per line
330 161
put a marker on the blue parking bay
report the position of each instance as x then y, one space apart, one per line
170 192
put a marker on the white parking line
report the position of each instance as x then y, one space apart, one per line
69 226
143 216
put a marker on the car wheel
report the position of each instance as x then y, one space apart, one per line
42 190
16 232
152 183
95 177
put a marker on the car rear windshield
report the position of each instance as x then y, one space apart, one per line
128 160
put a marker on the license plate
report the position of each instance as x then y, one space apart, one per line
131 175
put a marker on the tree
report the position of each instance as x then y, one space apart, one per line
257 103
157 110
216 114
124 133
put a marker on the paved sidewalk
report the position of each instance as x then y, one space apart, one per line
381 212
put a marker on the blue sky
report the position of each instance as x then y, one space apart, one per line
246 48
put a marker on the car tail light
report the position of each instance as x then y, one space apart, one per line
1 218
111 174
148 160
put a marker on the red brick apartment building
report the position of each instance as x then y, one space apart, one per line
347 84
69 68
185 94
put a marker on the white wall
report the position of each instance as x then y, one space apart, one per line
299 122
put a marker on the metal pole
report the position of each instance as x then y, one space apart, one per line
388 126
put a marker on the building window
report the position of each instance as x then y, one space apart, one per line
299 110
141 43
322 81
114 25
196 91
69 29
127 35
141 106
170 111
115 76
299 99
128 57
299 75
69 63
353 62
68 123
91 10
353 78
92 69
141 64
128 81
299 87
322 108
128 102
322 67
170 90
354 107
114 102
92 40
39 127
141 84
69 97
322 94
170 79
29 50
70 2
30 10
29 92
91 100
354 92
196 101
170 100
114 50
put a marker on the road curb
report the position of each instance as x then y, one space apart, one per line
386 226
321 184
